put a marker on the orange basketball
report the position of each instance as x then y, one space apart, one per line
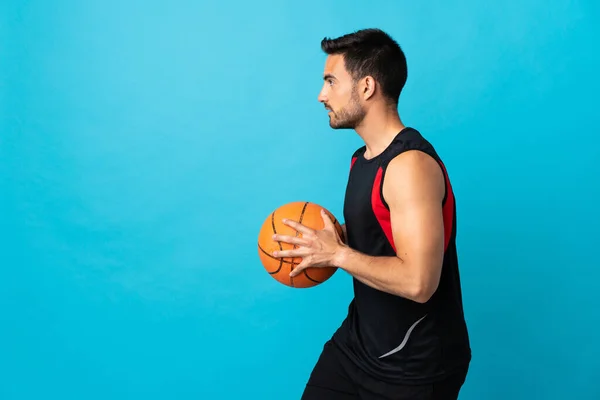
308 214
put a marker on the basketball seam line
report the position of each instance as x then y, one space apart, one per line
279 243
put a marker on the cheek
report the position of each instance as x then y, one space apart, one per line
344 97
338 97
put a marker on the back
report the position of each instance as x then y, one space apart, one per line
392 338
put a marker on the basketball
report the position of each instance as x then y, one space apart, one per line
308 214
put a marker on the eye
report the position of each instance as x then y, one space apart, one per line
330 81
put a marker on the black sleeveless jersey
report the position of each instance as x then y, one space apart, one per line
392 338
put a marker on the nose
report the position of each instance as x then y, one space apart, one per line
322 98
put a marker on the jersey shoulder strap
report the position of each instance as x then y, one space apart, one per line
356 154
408 139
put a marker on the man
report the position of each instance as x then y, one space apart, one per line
405 335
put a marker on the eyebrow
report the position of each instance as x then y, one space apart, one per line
328 76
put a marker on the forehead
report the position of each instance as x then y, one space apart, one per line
334 65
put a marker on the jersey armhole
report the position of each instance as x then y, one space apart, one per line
440 165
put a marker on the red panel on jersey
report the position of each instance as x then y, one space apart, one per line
381 212
448 210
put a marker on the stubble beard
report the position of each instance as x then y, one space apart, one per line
349 116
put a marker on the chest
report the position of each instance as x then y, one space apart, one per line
362 208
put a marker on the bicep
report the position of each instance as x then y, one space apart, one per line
414 190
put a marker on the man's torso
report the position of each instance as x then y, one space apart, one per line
389 337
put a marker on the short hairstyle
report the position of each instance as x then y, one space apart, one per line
372 52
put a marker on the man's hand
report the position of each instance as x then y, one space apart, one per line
318 248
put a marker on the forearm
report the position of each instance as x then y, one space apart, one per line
387 274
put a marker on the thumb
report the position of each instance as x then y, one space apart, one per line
327 220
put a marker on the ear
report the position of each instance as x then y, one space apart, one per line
368 87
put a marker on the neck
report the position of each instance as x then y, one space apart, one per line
378 129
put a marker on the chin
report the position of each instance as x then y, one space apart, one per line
333 126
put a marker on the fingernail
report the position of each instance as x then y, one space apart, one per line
274 254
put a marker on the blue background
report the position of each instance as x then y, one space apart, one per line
142 144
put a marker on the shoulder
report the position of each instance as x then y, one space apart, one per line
414 174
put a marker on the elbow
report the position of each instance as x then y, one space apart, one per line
422 296
423 291
420 285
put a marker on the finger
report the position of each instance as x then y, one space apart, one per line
291 239
299 268
300 252
298 226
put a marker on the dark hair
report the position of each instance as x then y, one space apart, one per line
372 52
